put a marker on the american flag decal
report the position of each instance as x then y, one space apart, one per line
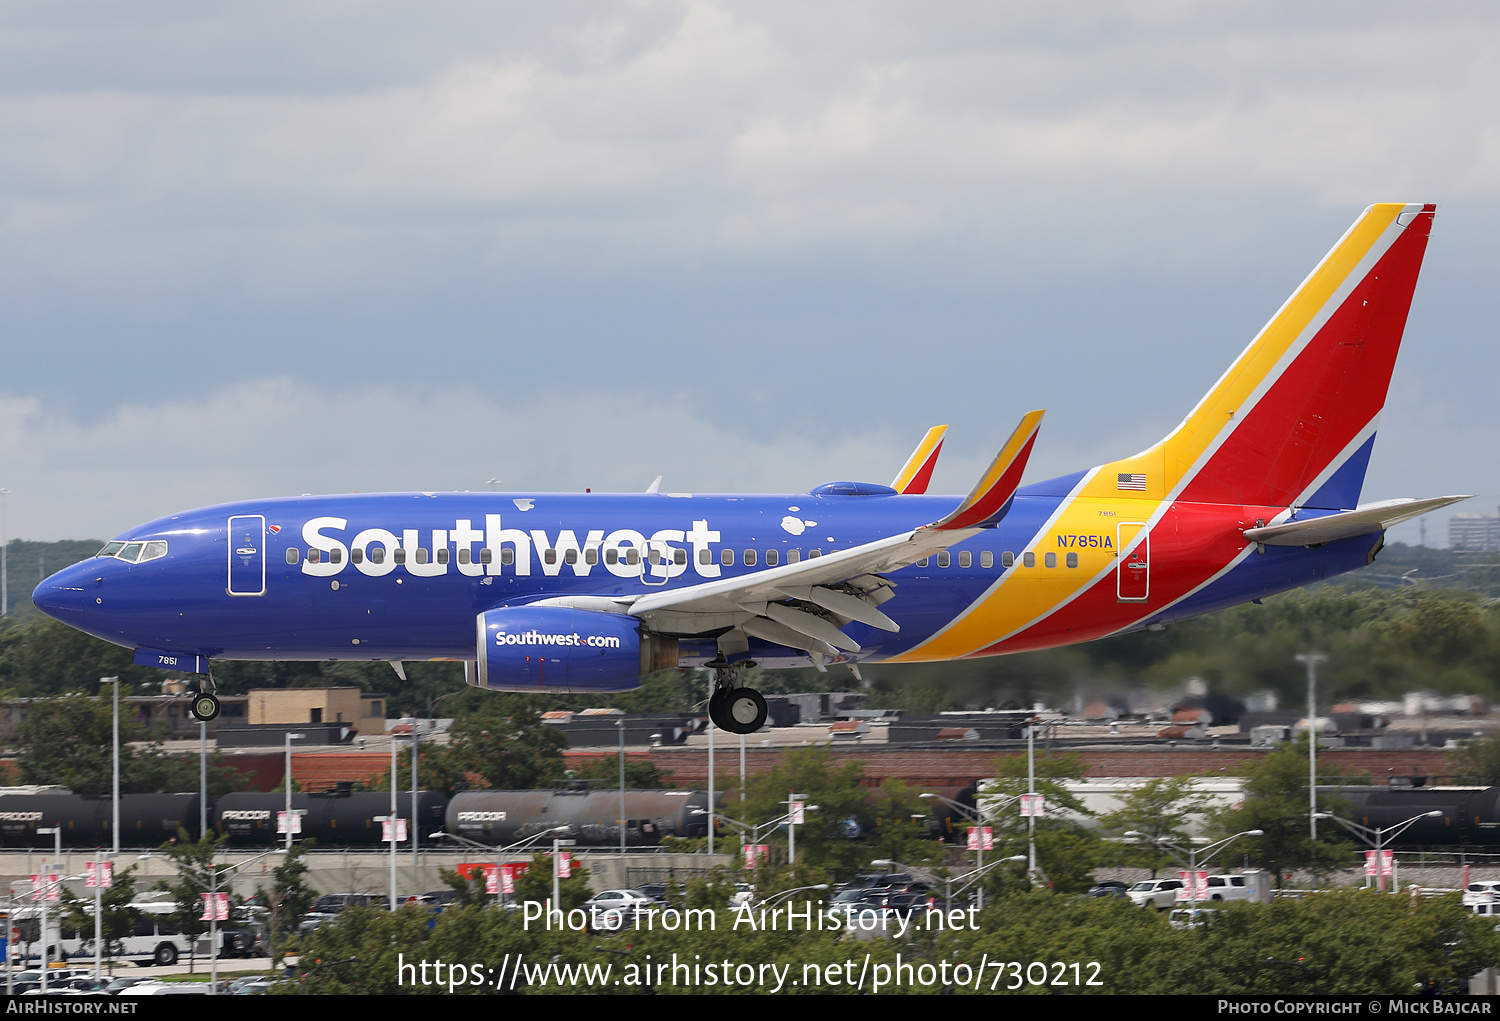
1128 480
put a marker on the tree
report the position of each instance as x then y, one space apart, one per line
117 919
194 861
1067 851
604 770
289 898
70 741
1276 802
1161 809
503 746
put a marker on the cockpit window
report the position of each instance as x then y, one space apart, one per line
134 552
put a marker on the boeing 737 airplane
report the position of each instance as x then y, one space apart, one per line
1257 491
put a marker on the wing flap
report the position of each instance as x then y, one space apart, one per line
847 583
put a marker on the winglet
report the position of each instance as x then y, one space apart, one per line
987 501
917 472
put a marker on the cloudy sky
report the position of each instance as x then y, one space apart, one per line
274 248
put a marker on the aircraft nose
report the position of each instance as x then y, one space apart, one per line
63 596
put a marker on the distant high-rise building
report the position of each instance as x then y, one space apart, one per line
1474 532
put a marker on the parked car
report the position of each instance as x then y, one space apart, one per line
1160 894
1221 888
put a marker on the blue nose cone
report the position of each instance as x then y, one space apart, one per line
64 596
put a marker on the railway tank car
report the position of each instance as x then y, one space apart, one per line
590 817
335 819
1470 815
146 820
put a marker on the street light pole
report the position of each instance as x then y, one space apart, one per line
1311 661
289 739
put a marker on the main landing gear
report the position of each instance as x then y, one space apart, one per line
732 706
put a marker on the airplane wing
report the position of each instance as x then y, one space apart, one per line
917 472
1366 520
803 605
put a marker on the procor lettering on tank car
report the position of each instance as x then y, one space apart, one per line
587 816
335 819
146 820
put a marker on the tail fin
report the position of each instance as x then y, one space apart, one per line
1293 420
916 473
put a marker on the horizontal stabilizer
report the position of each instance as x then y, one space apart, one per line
988 500
1366 520
917 472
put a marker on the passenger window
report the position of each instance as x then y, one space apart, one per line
966 559
313 556
611 556
922 562
1007 559
377 555
986 559
335 556
549 556
1028 559
1051 559
654 556
944 559
793 556
814 553
442 555
1072 559
356 556
292 554
570 557
421 554
772 558
749 558
632 556
679 557
591 555
705 556
726 557
399 554
486 556
464 556
507 557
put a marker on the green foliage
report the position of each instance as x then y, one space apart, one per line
69 740
502 745
289 899
194 862
1067 851
1162 810
848 829
1276 801
535 884
1478 759
1345 941
118 917
604 771
1380 643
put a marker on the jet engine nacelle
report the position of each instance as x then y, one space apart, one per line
558 648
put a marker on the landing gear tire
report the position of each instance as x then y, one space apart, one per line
716 710
204 707
738 710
